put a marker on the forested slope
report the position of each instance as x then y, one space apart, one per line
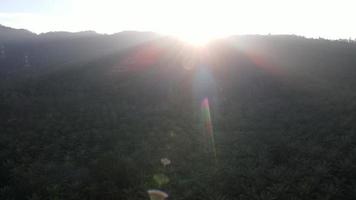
282 110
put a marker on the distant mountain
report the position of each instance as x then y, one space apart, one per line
8 34
22 48
91 116
66 35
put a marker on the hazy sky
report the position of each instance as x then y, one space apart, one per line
187 18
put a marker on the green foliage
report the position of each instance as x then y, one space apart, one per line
86 131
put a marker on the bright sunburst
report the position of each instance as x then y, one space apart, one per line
196 22
195 38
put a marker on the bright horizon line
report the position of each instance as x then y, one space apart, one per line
171 35
197 21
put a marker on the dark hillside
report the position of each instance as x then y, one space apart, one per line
282 111
21 49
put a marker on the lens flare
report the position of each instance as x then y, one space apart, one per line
208 126
157 195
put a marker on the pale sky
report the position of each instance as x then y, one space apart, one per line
332 19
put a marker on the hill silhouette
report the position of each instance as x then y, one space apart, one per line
94 115
58 48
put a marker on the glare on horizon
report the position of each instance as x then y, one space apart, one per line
196 21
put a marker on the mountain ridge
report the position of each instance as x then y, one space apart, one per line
256 117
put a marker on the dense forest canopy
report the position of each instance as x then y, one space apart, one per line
90 116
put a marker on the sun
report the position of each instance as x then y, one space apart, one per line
195 22
196 38
197 32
